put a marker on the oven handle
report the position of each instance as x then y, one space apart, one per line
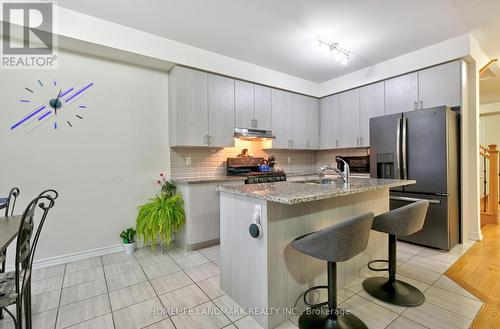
407 199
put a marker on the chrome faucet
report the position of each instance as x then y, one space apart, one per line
345 175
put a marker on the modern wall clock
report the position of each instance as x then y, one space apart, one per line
52 105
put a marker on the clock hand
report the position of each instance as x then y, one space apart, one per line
56 102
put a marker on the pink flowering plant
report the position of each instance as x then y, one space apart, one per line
167 187
162 216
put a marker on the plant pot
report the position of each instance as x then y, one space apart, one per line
129 248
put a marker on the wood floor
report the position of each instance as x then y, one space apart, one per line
478 271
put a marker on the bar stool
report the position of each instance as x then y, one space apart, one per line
401 221
336 243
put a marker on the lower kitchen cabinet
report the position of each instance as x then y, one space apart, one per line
201 204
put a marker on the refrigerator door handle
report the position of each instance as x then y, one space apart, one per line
406 199
398 148
404 142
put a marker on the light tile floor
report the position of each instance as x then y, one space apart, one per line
120 291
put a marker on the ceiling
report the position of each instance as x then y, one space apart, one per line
281 34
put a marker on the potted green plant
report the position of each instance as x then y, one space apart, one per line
128 238
162 216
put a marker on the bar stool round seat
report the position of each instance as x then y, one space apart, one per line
336 243
398 222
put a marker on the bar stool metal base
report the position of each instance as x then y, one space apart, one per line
396 293
322 320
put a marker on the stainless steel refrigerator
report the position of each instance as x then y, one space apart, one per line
423 145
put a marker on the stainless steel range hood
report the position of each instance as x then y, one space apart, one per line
253 134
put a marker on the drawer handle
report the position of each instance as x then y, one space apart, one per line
407 199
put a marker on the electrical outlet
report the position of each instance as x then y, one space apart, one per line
289 159
188 161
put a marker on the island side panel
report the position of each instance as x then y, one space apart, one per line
290 272
243 258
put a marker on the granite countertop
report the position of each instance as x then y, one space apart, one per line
208 180
222 179
306 190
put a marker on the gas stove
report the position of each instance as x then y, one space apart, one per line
249 167
267 177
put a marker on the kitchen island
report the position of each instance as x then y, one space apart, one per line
264 274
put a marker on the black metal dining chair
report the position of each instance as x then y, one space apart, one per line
15 286
11 201
9 205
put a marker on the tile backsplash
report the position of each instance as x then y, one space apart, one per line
206 162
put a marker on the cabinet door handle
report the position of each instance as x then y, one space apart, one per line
209 139
361 141
415 105
256 123
205 140
307 144
421 104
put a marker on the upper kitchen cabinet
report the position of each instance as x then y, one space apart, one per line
188 107
312 122
244 99
263 105
201 109
329 122
297 118
295 121
401 93
220 111
371 104
349 118
282 122
252 106
440 85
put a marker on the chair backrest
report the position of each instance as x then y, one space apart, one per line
402 221
26 246
11 201
338 242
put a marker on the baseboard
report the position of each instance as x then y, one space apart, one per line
476 236
68 258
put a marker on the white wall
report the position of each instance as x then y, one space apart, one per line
103 167
490 124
